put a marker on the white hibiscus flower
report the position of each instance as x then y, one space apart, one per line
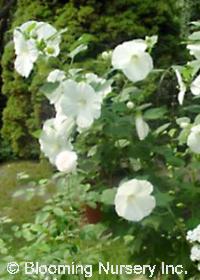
142 127
66 161
131 57
31 39
182 87
55 137
26 54
80 102
193 140
133 200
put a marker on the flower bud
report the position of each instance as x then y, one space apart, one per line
66 161
106 55
130 105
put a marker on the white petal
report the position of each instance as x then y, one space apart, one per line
19 41
55 137
193 142
56 76
140 208
194 50
145 187
29 26
100 85
142 127
196 128
122 53
119 57
23 65
84 119
182 87
195 86
181 96
63 125
45 31
69 98
56 95
139 67
26 52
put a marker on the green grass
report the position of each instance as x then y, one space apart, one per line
17 209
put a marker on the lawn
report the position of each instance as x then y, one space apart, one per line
18 209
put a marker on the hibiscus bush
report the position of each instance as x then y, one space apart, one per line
123 154
105 28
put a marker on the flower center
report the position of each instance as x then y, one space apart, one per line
134 58
50 50
131 198
82 102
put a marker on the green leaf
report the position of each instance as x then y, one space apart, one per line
58 212
108 196
77 50
162 128
192 108
19 193
155 113
144 106
163 199
135 164
197 119
31 27
128 239
36 133
49 87
41 217
122 143
182 138
152 221
86 38
28 235
62 31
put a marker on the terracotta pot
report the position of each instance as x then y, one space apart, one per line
92 215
